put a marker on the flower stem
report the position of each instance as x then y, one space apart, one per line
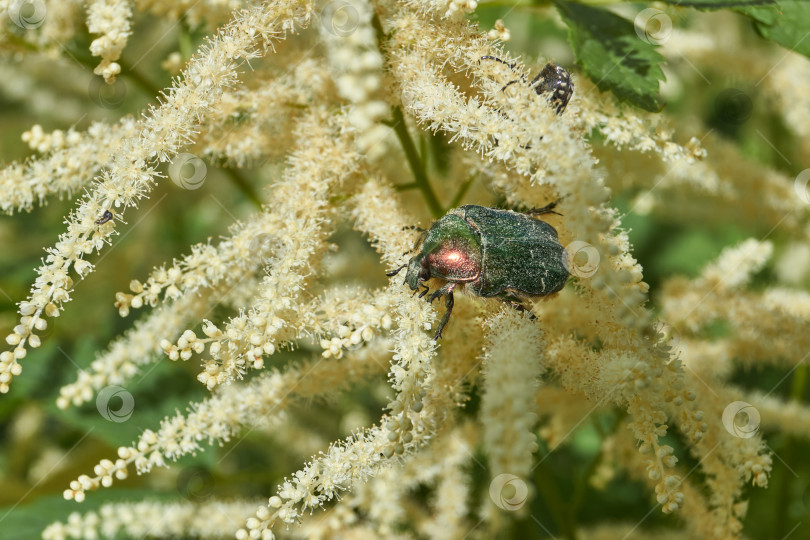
788 450
462 191
401 129
417 166
244 186
582 486
550 491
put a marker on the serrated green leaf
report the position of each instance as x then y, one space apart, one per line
763 11
612 55
791 29
760 14
787 22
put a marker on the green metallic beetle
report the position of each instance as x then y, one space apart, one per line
492 252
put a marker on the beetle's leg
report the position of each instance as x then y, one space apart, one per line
395 271
423 293
523 308
413 228
518 305
547 209
449 305
507 84
446 289
510 66
488 57
534 83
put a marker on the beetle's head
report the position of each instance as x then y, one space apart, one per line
417 272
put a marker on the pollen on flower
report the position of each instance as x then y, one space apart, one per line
308 149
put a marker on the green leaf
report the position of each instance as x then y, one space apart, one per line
760 14
761 11
791 28
787 22
612 54
765 11
720 4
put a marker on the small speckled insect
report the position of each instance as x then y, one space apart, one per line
552 78
492 253
107 216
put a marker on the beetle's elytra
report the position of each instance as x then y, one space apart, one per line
492 253
556 81
552 79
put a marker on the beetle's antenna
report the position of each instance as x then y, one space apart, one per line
395 271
